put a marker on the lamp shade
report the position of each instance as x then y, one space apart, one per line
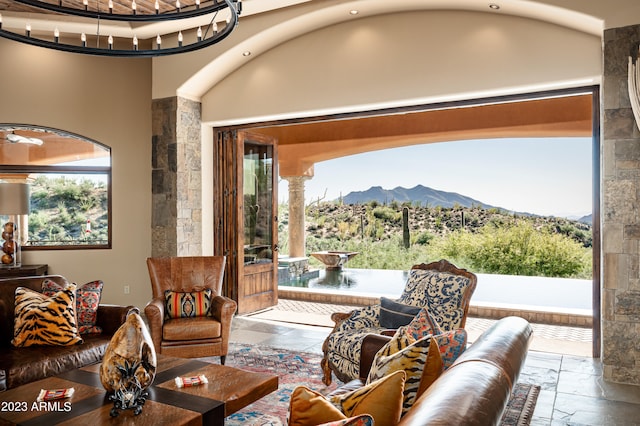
14 198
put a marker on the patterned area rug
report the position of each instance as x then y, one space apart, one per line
294 369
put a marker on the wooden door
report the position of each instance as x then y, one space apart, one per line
246 217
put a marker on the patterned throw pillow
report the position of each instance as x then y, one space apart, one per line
381 399
87 302
308 407
187 304
42 320
420 360
452 344
423 324
361 420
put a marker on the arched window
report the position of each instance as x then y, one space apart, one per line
69 177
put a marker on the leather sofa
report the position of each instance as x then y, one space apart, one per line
476 388
23 365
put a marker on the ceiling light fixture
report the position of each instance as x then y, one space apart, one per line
354 12
183 35
13 138
494 6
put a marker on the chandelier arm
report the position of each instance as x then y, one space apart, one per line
189 13
161 51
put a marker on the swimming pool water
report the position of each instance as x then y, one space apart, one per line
562 293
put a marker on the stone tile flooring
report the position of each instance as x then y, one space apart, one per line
572 389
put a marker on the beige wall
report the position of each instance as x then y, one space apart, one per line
404 59
108 100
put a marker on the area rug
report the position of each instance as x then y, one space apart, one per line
296 368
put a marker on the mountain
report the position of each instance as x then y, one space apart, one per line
425 195
586 219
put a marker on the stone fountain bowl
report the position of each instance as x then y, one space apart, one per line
334 259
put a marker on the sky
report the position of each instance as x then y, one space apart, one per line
547 176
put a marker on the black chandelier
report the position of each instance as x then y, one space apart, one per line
193 26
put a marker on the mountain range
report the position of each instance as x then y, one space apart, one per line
425 196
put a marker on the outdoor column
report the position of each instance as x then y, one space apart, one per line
296 215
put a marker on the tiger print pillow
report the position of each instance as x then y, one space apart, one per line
42 320
420 360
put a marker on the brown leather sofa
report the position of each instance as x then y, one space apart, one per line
23 365
476 388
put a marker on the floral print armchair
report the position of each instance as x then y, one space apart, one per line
439 286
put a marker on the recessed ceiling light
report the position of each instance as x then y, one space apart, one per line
494 6
246 53
354 12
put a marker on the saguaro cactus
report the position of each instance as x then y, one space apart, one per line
406 240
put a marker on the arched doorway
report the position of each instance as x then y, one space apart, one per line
571 112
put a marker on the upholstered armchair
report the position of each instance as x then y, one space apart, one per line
188 316
441 287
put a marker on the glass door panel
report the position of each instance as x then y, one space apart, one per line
258 203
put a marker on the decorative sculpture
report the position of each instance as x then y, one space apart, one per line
129 365
634 85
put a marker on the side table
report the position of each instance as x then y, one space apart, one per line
24 271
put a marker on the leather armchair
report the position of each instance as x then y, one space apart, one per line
189 337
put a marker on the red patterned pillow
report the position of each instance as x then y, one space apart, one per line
452 344
361 420
187 304
422 325
87 302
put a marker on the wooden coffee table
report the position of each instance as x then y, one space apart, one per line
229 389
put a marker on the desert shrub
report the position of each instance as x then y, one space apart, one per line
387 214
423 238
517 250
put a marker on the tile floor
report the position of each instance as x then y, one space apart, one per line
572 389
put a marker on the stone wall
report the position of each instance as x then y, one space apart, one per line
620 213
176 178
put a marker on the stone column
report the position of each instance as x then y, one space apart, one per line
620 213
296 215
176 219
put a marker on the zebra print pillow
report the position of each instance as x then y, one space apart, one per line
42 320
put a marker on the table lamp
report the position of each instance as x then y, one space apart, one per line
14 201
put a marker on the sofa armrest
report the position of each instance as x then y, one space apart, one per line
483 387
111 317
371 344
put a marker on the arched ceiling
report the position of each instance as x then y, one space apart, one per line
310 16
